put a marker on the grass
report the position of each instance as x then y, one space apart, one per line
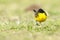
27 30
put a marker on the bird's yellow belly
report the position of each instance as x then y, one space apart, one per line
41 17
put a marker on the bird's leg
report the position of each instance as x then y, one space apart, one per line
37 23
40 23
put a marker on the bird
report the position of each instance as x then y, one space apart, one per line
40 15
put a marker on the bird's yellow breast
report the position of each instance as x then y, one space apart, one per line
41 17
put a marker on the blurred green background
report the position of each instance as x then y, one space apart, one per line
16 24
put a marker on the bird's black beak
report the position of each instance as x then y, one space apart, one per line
34 10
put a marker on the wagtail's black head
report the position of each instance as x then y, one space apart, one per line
41 10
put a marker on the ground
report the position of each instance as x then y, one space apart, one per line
16 24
